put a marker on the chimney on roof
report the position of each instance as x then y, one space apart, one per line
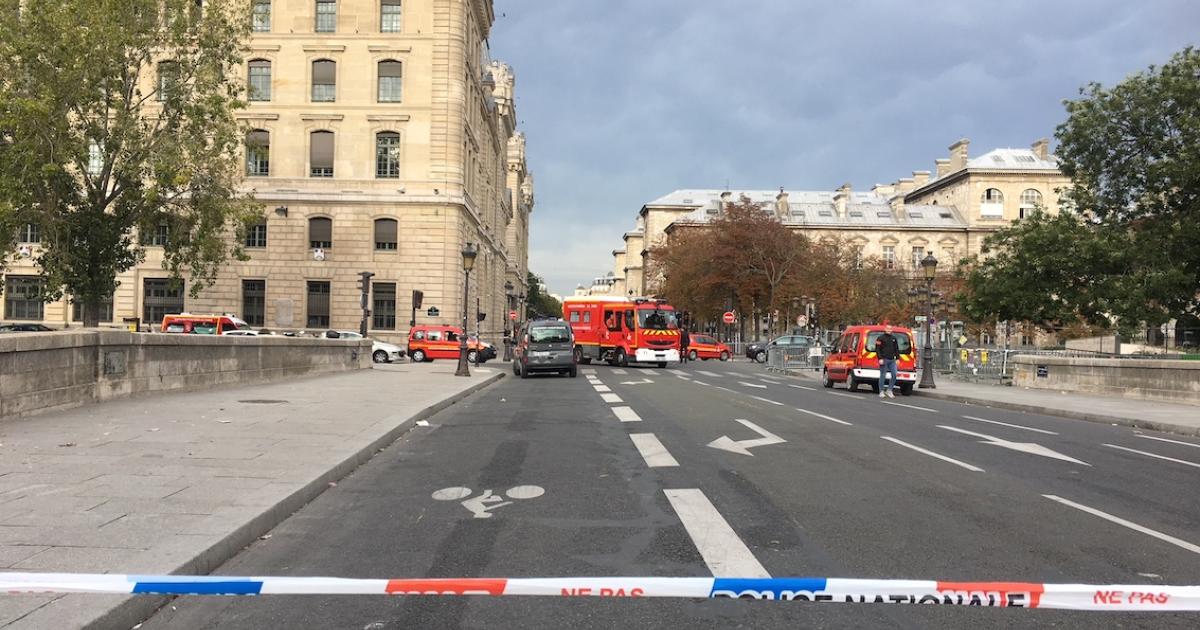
920 178
958 155
782 210
884 190
943 167
841 199
1041 148
904 184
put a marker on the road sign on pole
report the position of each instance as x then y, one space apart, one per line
729 317
512 315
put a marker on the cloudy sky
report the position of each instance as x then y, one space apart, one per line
624 101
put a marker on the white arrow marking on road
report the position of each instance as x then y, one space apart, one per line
752 385
1024 447
743 447
644 381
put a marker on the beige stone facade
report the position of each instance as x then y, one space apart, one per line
375 112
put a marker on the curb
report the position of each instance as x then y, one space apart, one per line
136 610
1137 423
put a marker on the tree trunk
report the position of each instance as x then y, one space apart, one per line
91 313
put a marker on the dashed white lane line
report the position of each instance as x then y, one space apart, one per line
707 373
824 417
611 398
932 454
1183 544
1151 437
755 385
767 379
767 400
910 406
1014 426
724 553
601 388
1170 459
844 395
811 389
683 377
588 370
626 414
700 383
619 371
652 450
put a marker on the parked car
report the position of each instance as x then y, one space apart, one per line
24 328
706 347
852 359
545 345
758 351
487 351
381 352
186 323
429 342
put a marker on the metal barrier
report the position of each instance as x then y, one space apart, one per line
806 358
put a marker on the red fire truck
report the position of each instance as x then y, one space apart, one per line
623 330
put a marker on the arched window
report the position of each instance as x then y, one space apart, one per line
258 153
993 195
385 234
324 81
320 233
320 154
387 155
992 204
389 16
1031 199
389 81
259 87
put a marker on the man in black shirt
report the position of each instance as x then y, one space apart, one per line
887 349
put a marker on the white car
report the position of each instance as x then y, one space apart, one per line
380 352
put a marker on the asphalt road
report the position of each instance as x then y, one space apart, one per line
839 485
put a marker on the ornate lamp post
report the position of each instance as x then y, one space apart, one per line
468 255
508 306
929 269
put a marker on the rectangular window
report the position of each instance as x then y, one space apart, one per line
321 154
318 304
29 233
106 310
889 256
387 155
390 75
389 16
254 302
1026 340
160 297
385 235
918 254
256 236
383 310
168 78
326 16
324 81
23 298
574 317
262 16
260 81
258 154
95 164
160 236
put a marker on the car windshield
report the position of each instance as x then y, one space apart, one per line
657 319
902 339
550 334
793 341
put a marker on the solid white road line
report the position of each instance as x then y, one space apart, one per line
626 414
1170 459
618 371
724 553
823 416
811 389
1014 426
755 385
854 396
652 450
932 454
611 398
707 373
601 388
767 400
1124 523
1151 437
911 406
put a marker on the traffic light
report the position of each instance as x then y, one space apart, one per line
480 317
418 296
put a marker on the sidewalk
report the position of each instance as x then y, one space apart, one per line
1142 414
179 483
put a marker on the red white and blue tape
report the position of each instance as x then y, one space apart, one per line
1002 594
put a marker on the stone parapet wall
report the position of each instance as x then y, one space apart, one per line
57 370
1145 379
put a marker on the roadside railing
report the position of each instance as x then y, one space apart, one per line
804 358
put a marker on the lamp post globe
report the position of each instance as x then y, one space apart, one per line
929 270
468 257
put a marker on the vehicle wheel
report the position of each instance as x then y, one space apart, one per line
852 384
622 358
379 356
516 368
574 372
662 364
578 354
418 356
875 387
473 356
760 356
724 356
692 355
524 372
825 380
906 389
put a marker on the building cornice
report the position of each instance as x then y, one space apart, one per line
951 178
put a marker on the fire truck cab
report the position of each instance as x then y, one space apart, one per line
623 330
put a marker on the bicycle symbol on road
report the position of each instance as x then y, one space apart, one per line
482 505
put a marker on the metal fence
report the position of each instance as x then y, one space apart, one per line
803 358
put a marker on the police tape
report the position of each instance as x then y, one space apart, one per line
992 594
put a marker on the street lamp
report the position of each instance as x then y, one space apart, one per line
929 268
508 306
468 255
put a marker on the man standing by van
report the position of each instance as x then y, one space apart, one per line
887 350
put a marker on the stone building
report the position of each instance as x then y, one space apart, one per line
381 138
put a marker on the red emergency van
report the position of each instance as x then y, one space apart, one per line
623 330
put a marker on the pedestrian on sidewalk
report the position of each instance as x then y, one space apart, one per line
685 340
887 350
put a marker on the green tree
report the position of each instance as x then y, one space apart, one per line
538 301
117 118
